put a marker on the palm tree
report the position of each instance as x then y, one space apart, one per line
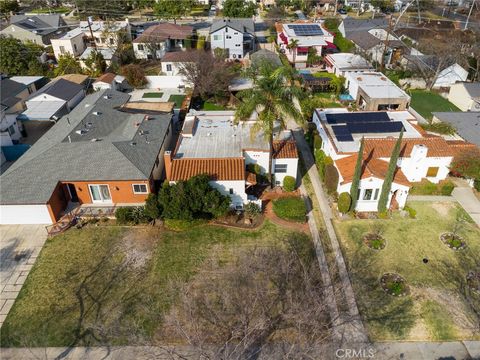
293 45
272 97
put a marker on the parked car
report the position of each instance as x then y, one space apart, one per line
342 11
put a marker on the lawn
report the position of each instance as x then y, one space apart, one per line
327 100
435 308
426 102
126 278
150 95
177 99
290 208
209 106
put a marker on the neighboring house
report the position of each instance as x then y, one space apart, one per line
10 129
341 63
39 29
33 83
308 36
53 101
13 95
466 124
211 143
465 96
235 36
79 79
107 53
106 33
373 91
351 25
109 81
101 156
172 62
159 39
421 157
73 43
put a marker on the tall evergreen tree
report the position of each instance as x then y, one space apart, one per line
356 176
387 182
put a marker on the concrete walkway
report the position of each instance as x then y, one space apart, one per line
465 196
353 329
19 248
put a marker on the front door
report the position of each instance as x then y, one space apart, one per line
100 193
73 192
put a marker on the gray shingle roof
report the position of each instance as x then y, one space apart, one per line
61 89
242 25
9 88
473 89
352 25
467 124
122 150
364 39
42 24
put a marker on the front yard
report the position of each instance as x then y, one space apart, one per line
426 102
438 303
118 285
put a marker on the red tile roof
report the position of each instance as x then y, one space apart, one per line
178 56
370 168
162 32
284 149
217 168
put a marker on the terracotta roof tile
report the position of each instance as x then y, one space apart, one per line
284 149
217 168
370 168
437 147
162 32
178 56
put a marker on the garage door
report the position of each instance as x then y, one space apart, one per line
24 214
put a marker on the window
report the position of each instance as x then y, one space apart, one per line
229 37
169 67
230 191
140 47
375 197
367 195
62 49
280 168
112 42
239 56
432 171
140 188
235 33
75 47
217 37
11 130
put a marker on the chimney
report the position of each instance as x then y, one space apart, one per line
167 160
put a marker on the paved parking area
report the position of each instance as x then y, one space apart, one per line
19 248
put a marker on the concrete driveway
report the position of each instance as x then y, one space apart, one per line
19 248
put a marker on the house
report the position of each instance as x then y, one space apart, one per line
39 29
106 34
466 124
73 43
13 95
33 83
465 96
211 143
340 63
109 81
159 39
172 62
79 79
235 36
351 25
421 156
101 156
53 101
107 53
307 36
373 91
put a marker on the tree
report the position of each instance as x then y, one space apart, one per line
13 59
387 182
272 97
209 75
344 202
467 164
67 64
292 46
356 175
95 63
331 178
172 9
239 8
135 75
7 6
152 207
103 9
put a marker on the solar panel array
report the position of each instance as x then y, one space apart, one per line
342 133
306 29
375 127
344 118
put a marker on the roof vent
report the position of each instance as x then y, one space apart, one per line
94 140
133 143
107 97
31 20
97 113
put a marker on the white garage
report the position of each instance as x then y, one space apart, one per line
24 214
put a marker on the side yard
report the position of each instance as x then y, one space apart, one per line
426 102
438 301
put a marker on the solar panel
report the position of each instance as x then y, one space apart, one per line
306 29
361 117
374 127
342 133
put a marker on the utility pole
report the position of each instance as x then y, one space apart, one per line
385 43
469 13
418 11
89 22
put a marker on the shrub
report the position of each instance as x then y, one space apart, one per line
135 75
317 142
428 188
123 215
328 160
476 184
320 161
447 188
331 178
131 215
152 207
290 208
252 210
289 183
344 202
411 212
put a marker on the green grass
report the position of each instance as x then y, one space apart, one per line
177 99
409 241
439 324
290 208
150 95
212 107
47 309
325 100
426 102
324 74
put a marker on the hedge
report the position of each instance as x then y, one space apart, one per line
317 142
331 178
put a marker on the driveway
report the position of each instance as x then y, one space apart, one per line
465 196
19 248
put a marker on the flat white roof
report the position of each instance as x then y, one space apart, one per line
41 110
106 52
310 40
346 61
27 80
71 34
377 85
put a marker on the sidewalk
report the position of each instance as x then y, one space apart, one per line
465 196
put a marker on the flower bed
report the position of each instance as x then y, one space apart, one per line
454 242
393 284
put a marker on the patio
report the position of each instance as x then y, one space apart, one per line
164 95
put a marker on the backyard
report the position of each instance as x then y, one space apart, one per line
426 102
435 304
177 99
118 285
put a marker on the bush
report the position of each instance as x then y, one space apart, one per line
317 142
123 215
135 75
131 215
447 188
331 178
476 184
152 207
411 212
290 208
252 210
289 183
320 161
426 187
344 202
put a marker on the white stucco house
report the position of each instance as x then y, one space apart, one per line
421 157
235 36
341 63
211 143
172 62
106 33
73 43
109 81
465 96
